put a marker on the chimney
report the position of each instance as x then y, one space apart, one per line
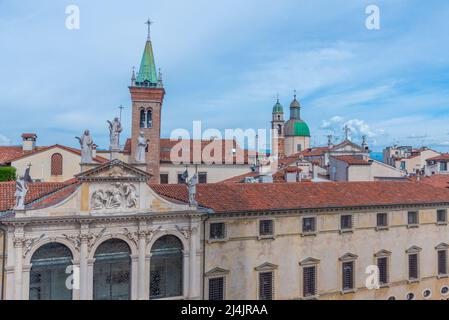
29 141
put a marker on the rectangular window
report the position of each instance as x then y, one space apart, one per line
181 180
309 281
164 178
402 165
443 166
442 262
217 288
266 228
299 148
348 275
217 231
382 264
413 218
441 216
266 285
308 225
202 177
346 222
382 220
413 266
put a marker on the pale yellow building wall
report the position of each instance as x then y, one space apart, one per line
419 162
291 144
41 165
242 252
215 173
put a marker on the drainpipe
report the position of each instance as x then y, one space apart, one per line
204 255
2 289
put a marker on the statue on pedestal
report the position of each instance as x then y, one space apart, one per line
142 145
115 128
191 184
20 194
86 144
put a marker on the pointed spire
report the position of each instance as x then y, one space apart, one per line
147 76
133 77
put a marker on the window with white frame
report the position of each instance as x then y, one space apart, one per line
413 263
442 216
309 268
348 275
266 228
442 249
382 220
413 218
217 231
309 281
266 285
217 288
309 225
346 222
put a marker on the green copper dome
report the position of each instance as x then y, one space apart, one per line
278 108
296 128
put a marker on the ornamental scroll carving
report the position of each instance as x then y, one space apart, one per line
118 196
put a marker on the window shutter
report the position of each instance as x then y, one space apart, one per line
217 288
266 285
309 281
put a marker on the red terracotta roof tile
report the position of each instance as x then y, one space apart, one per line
442 157
36 191
285 196
9 154
436 180
187 154
353 160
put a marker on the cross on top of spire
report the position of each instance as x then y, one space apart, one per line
346 130
149 23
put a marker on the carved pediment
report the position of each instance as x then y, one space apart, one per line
309 261
382 253
266 267
114 171
347 146
348 257
413 249
216 272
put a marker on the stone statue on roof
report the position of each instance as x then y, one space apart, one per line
191 184
86 144
20 194
142 145
115 128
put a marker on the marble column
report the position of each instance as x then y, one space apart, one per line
84 294
141 278
193 266
18 251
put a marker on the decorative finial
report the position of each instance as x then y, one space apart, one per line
277 96
149 23
294 94
346 130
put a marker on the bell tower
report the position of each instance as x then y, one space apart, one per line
277 124
147 96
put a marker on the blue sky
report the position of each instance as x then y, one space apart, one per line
224 62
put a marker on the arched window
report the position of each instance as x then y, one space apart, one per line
56 164
149 118
279 129
166 268
112 271
48 273
142 118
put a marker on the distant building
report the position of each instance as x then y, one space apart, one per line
408 159
437 165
